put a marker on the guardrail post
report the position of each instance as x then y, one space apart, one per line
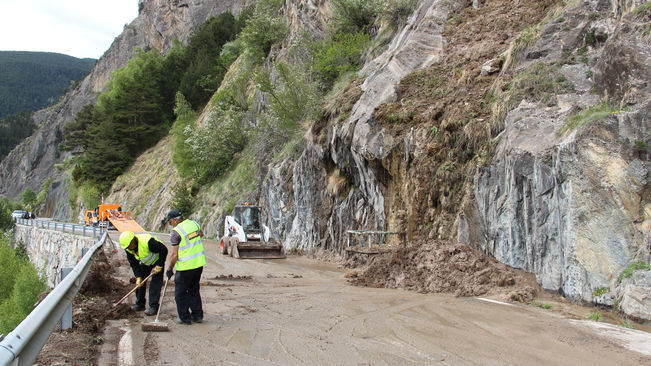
66 318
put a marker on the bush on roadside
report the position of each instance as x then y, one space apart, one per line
20 285
5 214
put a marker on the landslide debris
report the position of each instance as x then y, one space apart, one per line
443 266
91 308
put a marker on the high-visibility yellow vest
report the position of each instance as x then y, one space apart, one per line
144 255
190 248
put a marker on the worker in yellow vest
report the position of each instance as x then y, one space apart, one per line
146 255
188 259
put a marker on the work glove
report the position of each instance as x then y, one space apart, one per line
138 281
169 273
157 269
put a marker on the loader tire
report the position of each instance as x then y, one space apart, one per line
230 246
224 245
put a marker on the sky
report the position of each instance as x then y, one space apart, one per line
79 28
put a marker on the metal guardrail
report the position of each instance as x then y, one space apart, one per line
58 226
22 345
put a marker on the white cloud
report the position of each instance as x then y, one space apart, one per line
80 28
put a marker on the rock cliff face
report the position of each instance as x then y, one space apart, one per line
573 208
569 205
158 23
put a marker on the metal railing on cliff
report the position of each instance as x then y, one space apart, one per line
22 345
74 229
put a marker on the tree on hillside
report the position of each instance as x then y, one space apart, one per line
29 197
204 72
75 132
134 103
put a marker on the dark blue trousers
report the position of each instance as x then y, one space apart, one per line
186 294
154 289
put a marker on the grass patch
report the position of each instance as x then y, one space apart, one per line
596 316
541 305
539 84
628 324
643 10
593 113
628 272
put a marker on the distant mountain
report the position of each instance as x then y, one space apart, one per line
32 80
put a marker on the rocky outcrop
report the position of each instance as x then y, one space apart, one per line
159 22
572 207
313 212
634 295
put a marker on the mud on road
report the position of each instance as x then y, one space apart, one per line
300 311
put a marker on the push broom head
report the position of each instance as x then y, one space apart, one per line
155 326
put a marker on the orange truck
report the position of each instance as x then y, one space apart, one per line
110 216
91 218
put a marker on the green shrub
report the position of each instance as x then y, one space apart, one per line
182 199
29 197
538 84
263 29
541 305
643 10
335 57
44 188
214 147
20 286
90 195
185 121
293 98
6 221
628 272
396 12
596 316
352 16
593 113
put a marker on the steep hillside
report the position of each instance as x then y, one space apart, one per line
31 163
32 80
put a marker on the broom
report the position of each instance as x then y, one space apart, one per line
156 326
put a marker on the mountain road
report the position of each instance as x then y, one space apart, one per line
300 311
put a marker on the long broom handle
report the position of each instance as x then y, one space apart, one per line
134 289
160 303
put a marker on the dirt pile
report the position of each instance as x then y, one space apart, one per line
91 308
442 266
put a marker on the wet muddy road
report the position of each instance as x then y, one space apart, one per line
298 311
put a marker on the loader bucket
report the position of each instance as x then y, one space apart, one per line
258 250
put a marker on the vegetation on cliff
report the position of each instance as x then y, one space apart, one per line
137 109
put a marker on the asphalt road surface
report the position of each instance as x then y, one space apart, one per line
298 311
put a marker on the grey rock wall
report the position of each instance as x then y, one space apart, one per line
573 208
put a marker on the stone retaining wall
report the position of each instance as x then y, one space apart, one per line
50 250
